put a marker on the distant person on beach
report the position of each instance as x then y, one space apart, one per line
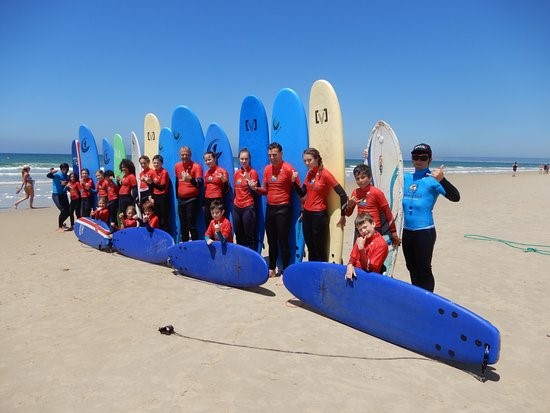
514 168
277 183
27 186
101 213
188 185
59 192
369 249
159 182
371 200
128 189
244 204
216 183
75 204
219 228
87 189
318 183
421 189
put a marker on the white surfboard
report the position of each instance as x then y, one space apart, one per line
386 162
326 134
136 154
151 134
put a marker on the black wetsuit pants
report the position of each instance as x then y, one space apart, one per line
277 227
315 227
418 247
244 225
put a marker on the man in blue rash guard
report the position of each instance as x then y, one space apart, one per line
420 194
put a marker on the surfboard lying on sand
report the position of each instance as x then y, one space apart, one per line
395 311
143 243
230 264
386 162
93 232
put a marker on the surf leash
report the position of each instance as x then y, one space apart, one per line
537 248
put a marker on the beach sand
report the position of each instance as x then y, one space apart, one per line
79 327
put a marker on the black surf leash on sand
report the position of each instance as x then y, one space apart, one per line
537 248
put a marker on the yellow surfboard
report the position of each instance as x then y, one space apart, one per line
326 134
151 133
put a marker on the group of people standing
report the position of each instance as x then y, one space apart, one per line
118 199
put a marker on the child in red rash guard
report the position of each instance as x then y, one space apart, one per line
369 250
219 228
101 212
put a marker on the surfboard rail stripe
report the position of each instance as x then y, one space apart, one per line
94 226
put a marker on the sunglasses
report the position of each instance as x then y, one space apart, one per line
422 158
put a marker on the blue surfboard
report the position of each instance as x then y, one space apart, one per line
88 151
188 131
108 155
229 264
75 154
289 128
395 311
216 141
143 243
169 148
254 135
93 232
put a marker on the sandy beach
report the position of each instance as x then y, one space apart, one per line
80 326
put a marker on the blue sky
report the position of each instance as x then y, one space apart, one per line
470 77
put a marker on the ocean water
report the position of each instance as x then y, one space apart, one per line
11 164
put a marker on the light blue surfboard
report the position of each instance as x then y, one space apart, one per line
88 151
254 135
187 129
289 128
169 148
216 141
395 311
93 232
75 155
229 264
108 155
143 243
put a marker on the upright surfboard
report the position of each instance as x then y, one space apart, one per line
326 134
254 136
395 311
136 154
88 151
120 154
216 141
386 162
93 232
289 128
75 154
229 264
169 148
108 155
143 243
188 131
151 135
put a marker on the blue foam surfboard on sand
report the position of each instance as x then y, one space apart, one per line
229 264
108 155
289 128
169 148
143 243
216 141
93 232
395 311
187 130
254 135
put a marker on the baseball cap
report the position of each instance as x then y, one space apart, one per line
422 148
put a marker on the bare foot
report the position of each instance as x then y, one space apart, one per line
272 273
